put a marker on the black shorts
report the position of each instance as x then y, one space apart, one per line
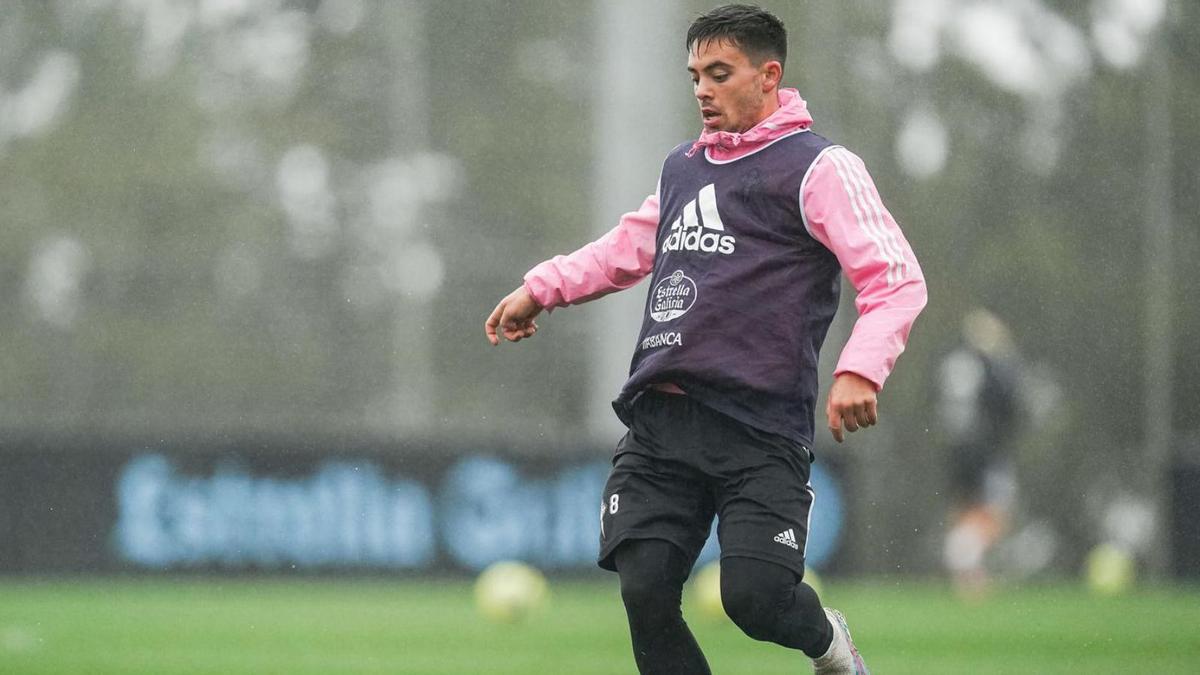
682 462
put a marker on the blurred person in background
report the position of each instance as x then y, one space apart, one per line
978 387
745 241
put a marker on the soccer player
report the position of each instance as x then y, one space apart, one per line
745 241
981 407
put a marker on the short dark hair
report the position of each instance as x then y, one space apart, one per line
757 32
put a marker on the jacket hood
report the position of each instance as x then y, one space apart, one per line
725 145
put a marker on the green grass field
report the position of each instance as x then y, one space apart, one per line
430 628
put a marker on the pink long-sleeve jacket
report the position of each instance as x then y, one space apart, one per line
842 210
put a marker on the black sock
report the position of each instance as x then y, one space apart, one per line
770 603
652 574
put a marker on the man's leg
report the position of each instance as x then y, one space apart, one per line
768 602
652 573
764 503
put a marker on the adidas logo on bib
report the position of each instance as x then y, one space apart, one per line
787 538
700 227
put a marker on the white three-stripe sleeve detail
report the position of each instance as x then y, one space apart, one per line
889 236
857 205
874 220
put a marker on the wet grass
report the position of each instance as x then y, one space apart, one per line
431 628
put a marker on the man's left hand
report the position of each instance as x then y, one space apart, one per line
852 405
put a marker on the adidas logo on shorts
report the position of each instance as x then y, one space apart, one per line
787 538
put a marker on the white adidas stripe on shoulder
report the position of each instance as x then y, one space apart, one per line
889 234
860 213
868 213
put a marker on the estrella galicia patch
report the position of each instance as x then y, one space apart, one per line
672 297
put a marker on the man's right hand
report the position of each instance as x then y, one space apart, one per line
513 316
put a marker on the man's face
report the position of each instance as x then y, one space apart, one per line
731 90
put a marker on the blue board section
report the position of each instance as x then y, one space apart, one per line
356 514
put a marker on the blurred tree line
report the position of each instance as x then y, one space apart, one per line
270 216
223 216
